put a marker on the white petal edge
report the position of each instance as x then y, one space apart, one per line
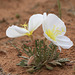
44 15
59 48
35 21
20 30
15 31
54 42
52 20
64 42
44 19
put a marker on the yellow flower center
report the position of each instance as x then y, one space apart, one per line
30 33
51 34
54 32
25 26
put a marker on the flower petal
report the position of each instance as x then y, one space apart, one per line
15 31
35 21
54 42
44 15
64 42
59 48
55 24
44 21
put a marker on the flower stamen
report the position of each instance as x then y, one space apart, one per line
25 25
54 32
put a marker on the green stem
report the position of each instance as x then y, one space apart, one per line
53 52
45 53
59 8
31 37
15 47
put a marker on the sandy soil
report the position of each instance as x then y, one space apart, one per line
26 8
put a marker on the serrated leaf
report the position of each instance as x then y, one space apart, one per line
49 67
62 60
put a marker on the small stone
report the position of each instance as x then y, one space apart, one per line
3 52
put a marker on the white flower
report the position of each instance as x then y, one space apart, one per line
54 30
34 22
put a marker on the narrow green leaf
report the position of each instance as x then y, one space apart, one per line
62 60
56 55
50 45
25 51
31 70
55 63
49 67
24 57
22 63
34 51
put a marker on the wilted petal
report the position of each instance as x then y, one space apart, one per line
64 42
15 31
35 21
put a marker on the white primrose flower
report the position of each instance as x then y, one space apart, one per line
34 22
54 30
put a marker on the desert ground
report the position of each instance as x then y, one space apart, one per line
9 9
